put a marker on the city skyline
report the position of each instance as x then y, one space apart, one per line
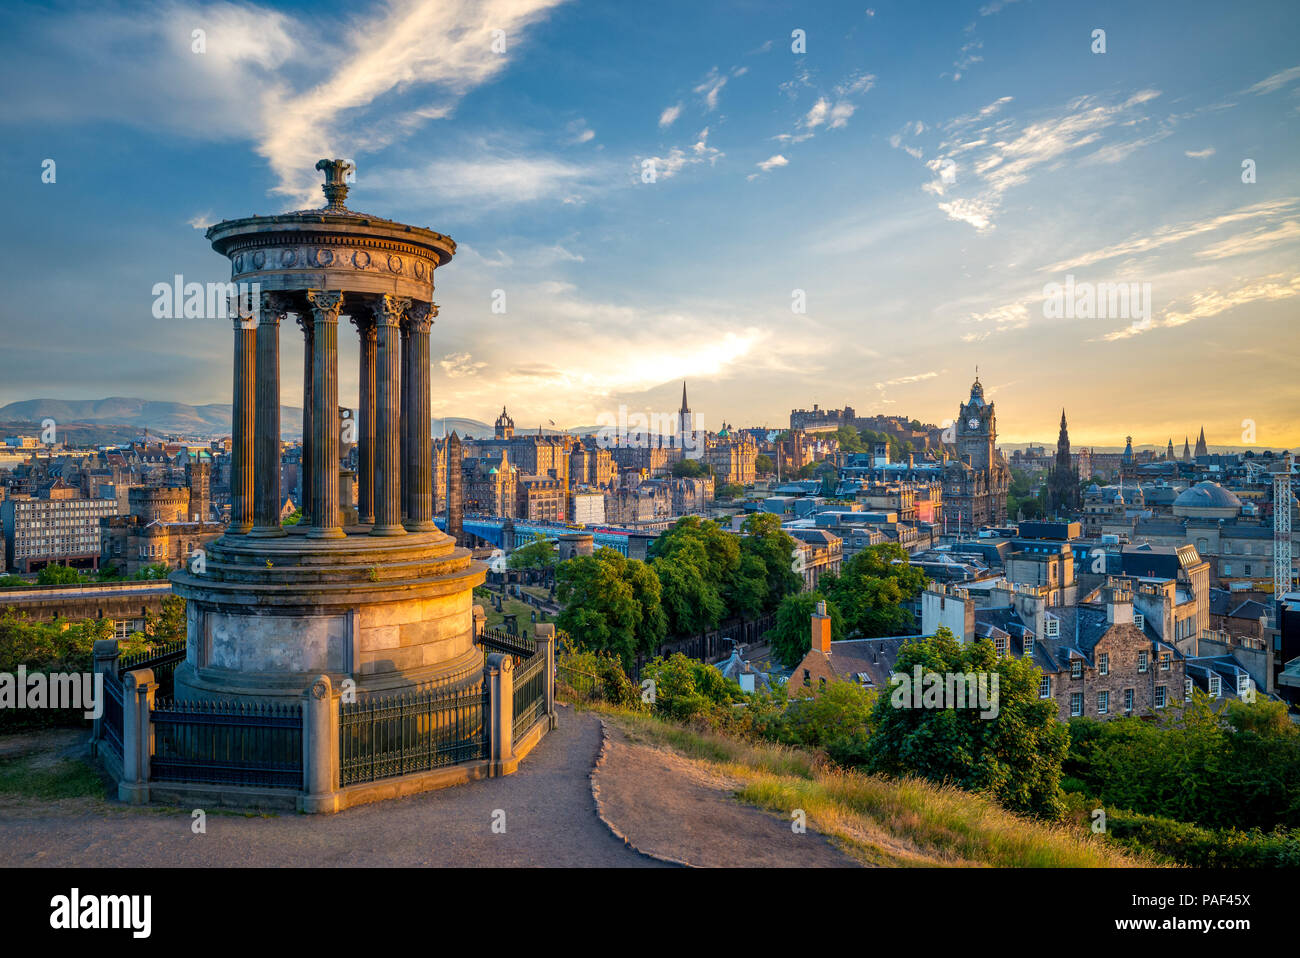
920 177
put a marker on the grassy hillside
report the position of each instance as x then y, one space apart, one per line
879 821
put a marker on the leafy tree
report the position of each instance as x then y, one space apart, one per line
691 469
763 465
168 624
685 688
58 575
1015 755
791 636
774 548
690 598
837 720
611 604
850 440
871 589
729 490
538 554
158 570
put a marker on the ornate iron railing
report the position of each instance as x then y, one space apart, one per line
382 737
498 640
530 695
163 660
223 743
110 723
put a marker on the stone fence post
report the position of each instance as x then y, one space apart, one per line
106 653
320 747
138 688
480 621
501 702
546 641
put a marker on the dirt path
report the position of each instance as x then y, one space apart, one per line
549 815
669 807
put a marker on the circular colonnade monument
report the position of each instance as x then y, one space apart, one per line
385 599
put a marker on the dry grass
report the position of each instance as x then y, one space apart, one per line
881 821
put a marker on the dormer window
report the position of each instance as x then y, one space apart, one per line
1215 686
1029 646
1053 627
1139 620
1243 684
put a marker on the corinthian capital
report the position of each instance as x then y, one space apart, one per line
325 305
391 310
420 317
275 307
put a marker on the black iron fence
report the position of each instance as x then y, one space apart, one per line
530 695
382 737
499 640
222 743
110 723
163 660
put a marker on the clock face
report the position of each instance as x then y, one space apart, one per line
973 423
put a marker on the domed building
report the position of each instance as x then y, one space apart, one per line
1207 500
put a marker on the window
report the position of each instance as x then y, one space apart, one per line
1215 684
1103 664
1029 646
1045 687
1128 700
1187 691
1164 662
1103 703
1076 704
1076 669
1243 684
1160 696
1000 644
1139 620
807 677
1143 658
1053 627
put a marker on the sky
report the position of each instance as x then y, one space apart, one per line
782 204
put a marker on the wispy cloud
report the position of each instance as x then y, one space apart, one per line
669 116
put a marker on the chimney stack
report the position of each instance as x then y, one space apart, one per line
821 630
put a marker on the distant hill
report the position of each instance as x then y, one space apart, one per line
120 419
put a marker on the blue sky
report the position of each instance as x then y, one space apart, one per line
920 172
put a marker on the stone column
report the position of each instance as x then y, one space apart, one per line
138 690
405 466
304 468
325 415
242 428
420 443
266 451
365 323
388 420
320 747
499 671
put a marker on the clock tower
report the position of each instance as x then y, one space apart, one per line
977 430
976 482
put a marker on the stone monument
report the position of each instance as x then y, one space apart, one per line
375 594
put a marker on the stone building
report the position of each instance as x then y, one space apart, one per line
976 481
56 526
